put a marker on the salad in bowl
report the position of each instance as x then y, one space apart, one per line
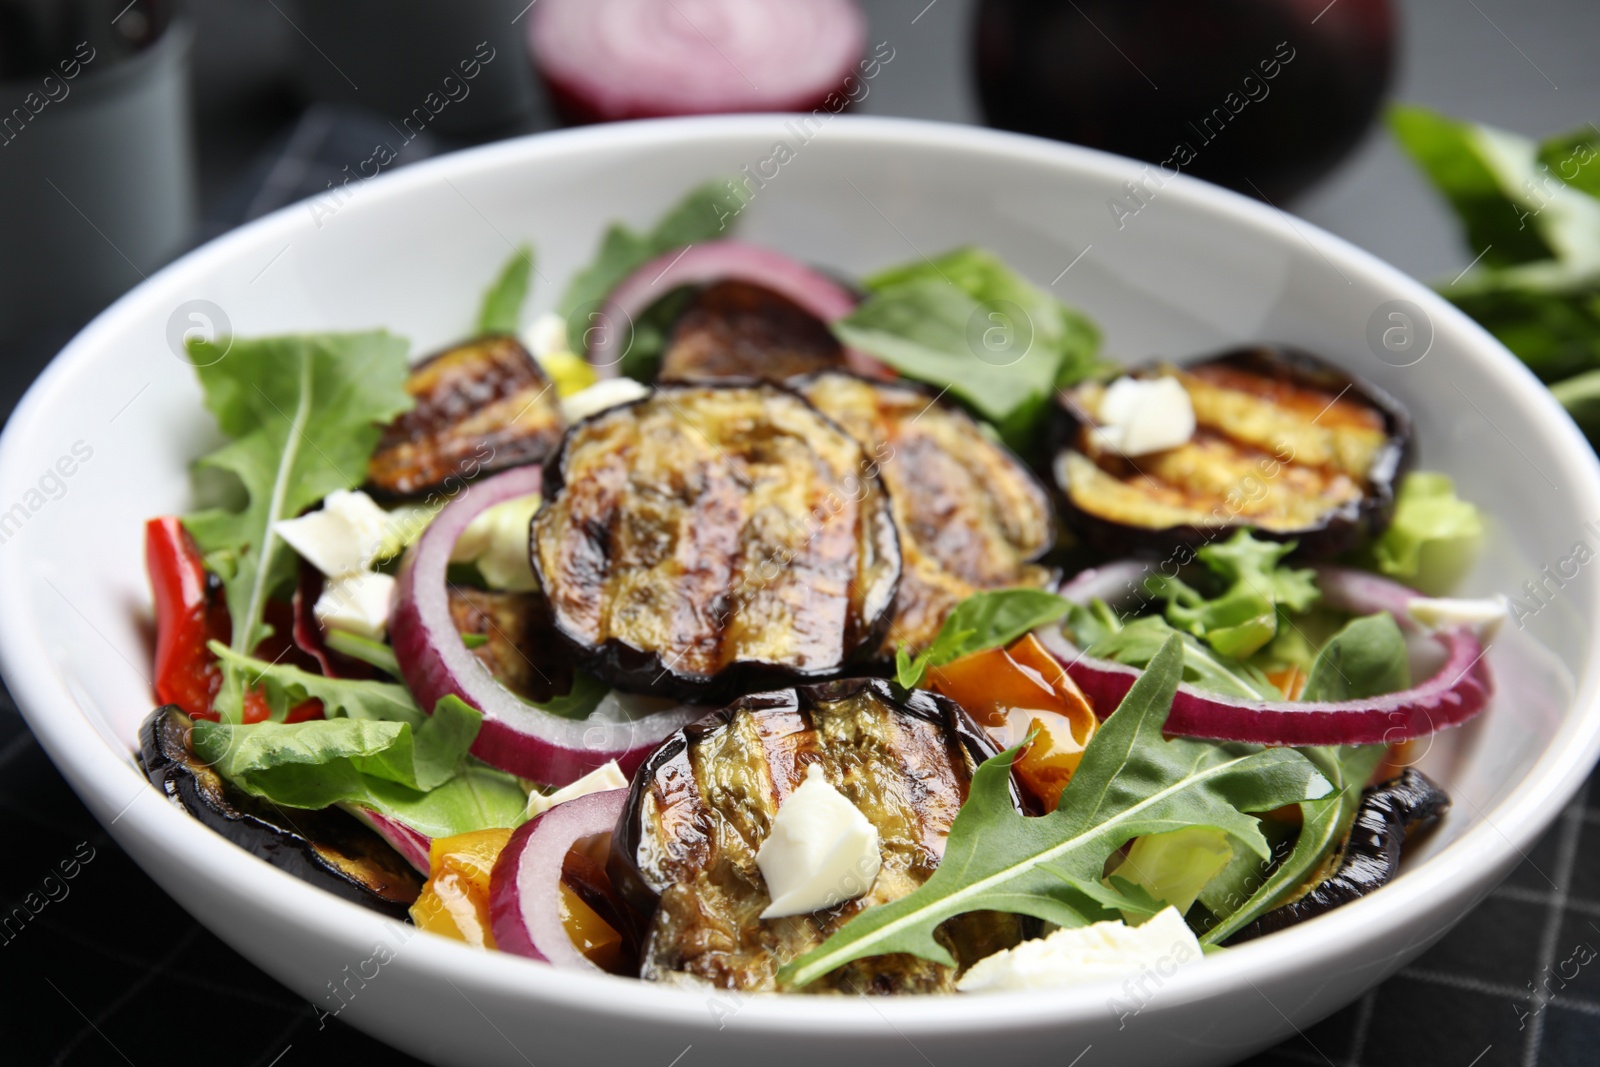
747 627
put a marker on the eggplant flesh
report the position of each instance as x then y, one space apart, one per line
702 804
1370 854
733 329
517 646
479 407
715 538
1284 445
971 515
328 848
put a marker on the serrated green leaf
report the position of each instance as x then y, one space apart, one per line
1130 783
502 304
304 414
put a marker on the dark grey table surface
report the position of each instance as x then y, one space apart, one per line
114 972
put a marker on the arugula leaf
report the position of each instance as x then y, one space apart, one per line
1365 659
304 413
705 213
990 619
1137 644
1435 534
1249 889
373 653
967 321
317 763
286 685
1131 783
502 304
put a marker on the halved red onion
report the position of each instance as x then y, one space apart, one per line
413 845
717 261
525 886
515 736
605 60
1456 692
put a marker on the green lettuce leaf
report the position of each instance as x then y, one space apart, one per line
1173 868
966 321
304 414
1131 782
1433 538
286 685
990 619
502 304
1257 590
706 213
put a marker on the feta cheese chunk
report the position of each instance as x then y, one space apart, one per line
1109 951
356 603
1139 416
600 396
497 541
547 335
821 851
1483 616
596 781
342 538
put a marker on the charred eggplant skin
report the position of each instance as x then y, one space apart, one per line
1370 854
971 515
736 329
481 407
1349 526
695 568
329 849
683 852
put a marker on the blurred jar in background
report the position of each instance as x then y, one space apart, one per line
458 68
1263 96
96 156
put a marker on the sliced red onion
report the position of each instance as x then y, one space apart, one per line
515 736
716 261
1457 691
605 60
525 887
413 845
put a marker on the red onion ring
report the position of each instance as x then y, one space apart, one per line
1456 692
515 736
715 261
605 60
525 886
413 845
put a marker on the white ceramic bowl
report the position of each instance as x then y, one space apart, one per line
1193 269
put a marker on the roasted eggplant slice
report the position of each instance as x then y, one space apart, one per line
735 329
1284 445
517 643
708 538
328 848
1370 854
480 407
971 516
702 805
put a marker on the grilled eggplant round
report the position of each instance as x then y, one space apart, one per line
1284 445
740 330
480 407
701 806
1370 854
711 538
329 849
971 516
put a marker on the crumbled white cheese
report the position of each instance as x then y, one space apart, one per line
600 396
496 540
1081 955
1483 616
356 603
342 538
596 781
547 335
1138 416
821 851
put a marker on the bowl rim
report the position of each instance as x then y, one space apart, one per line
1453 879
